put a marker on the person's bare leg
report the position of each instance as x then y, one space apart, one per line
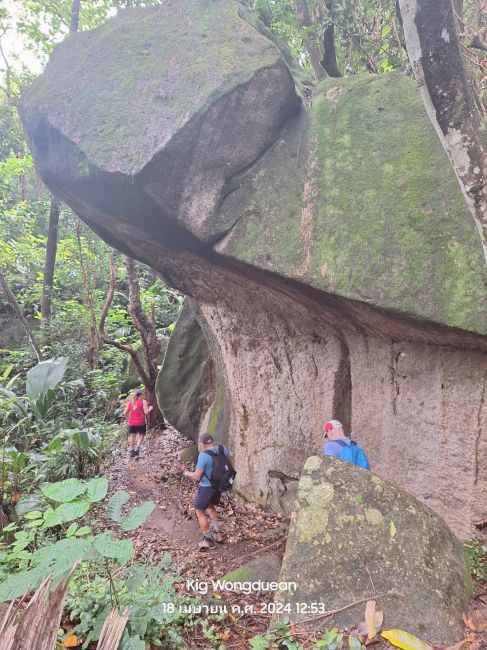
132 442
214 524
208 536
203 521
140 440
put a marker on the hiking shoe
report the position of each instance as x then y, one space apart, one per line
219 537
132 454
136 452
206 544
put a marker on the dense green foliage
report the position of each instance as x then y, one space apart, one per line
366 31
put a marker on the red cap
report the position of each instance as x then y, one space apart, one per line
332 424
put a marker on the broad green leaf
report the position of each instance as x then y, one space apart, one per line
44 376
18 584
11 526
21 544
131 642
404 640
97 489
121 550
72 529
84 530
35 523
137 516
64 491
136 578
22 534
65 512
118 499
35 514
62 554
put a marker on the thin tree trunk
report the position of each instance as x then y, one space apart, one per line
458 8
302 11
329 61
434 53
150 346
50 260
88 301
146 326
18 312
74 18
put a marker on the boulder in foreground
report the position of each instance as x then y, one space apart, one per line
354 536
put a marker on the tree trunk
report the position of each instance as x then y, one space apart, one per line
434 53
50 261
146 326
74 18
88 301
18 312
329 61
305 21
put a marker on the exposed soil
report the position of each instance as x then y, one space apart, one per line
172 527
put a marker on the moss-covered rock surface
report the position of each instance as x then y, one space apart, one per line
358 198
354 536
185 386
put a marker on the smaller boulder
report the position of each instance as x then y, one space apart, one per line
355 537
189 454
265 568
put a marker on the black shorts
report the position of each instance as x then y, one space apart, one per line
205 497
141 429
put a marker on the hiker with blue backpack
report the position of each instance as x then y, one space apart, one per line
337 444
214 474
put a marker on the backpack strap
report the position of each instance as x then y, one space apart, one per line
342 443
212 454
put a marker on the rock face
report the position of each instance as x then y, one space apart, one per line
330 260
353 536
187 387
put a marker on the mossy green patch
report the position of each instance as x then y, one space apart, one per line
359 199
217 408
392 226
144 74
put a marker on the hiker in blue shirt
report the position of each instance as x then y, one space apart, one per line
333 430
207 496
337 444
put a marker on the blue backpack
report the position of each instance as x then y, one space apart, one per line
352 453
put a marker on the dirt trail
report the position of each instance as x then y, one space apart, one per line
172 527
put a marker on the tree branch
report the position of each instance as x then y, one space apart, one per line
144 325
101 326
18 312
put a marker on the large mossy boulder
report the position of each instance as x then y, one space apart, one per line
354 536
160 103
